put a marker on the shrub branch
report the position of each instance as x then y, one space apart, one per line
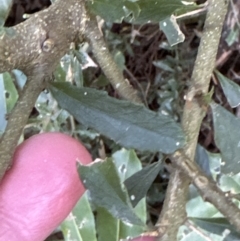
36 47
107 63
17 120
173 212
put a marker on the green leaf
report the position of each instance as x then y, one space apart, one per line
127 164
227 138
80 224
128 124
8 98
172 31
119 60
217 226
215 163
85 216
105 190
20 78
108 227
230 183
196 236
5 6
139 12
232 36
70 229
139 183
11 92
230 89
202 159
164 65
60 73
198 208
157 10
109 10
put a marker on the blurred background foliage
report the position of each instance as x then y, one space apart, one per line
159 66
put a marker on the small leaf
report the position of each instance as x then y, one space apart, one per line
85 219
11 92
127 164
232 36
139 183
111 11
217 226
138 12
202 159
227 138
157 10
20 78
230 183
230 89
195 236
59 73
119 60
197 207
70 230
128 124
80 224
172 31
106 190
164 65
5 6
107 225
215 160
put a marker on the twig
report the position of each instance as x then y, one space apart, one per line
107 63
173 213
193 115
17 120
35 48
208 189
138 84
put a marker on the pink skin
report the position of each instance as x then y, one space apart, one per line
42 186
